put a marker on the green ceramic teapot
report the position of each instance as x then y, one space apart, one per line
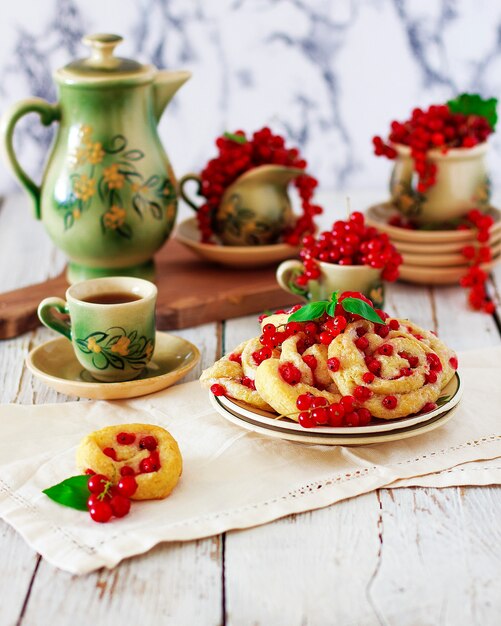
108 194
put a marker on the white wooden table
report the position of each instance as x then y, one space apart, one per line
400 557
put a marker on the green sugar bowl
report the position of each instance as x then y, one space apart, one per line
108 196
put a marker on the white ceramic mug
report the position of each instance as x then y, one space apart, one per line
333 277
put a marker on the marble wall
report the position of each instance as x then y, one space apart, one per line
326 73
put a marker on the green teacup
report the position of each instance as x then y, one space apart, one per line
111 325
362 278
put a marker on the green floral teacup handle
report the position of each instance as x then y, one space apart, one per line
51 312
182 192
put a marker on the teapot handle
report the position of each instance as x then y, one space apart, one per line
182 192
48 113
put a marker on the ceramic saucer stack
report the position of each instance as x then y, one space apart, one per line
433 257
378 431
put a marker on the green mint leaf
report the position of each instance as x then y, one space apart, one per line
235 138
331 309
311 311
359 307
473 104
72 492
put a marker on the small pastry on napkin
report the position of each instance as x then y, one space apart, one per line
147 452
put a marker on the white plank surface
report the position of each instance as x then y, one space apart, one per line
398 557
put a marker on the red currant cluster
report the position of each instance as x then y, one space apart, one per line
316 411
349 242
238 154
475 279
434 128
108 500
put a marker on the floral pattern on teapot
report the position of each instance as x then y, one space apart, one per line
104 170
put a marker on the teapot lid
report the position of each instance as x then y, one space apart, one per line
103 66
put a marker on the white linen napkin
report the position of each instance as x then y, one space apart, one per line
232 478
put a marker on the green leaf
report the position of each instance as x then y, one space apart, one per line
359 307
473 104
235 138
311 311
72 492
331 309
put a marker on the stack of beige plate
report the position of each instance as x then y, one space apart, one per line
433 257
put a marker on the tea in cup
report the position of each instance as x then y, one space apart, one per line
109 321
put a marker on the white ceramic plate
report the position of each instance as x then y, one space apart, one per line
327 439
233 256
453 389
379 214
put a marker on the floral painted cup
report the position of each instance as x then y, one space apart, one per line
462 183
362 278
113 342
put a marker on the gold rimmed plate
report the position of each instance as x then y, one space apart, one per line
188 234
55 364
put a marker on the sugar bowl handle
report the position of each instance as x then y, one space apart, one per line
51 312
182 192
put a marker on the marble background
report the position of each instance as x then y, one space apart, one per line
327 73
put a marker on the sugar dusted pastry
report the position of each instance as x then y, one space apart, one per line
227 377
147 452
392 369
337 362
280 381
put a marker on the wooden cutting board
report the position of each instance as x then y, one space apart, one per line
190 292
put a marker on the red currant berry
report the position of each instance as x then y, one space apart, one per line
336 413
148 443
306 421
126 470
111 452
351 419
101 512
303 402
347 402
429 406
126 439
333 364
390 402
320 415
97 483
453 362
368 377
364 416
362 343
394 324
289 373
431 377
120 505
434 362
218 390
310 361
127 486
386 349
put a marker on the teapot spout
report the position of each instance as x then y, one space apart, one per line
165 86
